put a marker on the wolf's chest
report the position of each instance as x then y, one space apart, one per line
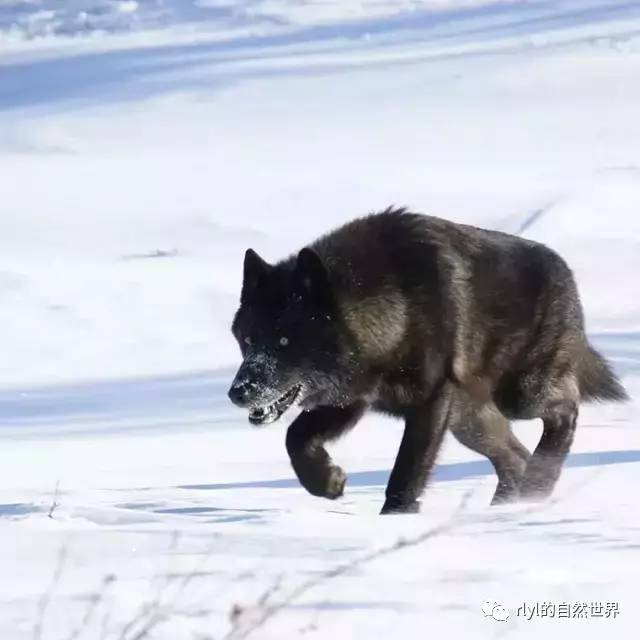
402 388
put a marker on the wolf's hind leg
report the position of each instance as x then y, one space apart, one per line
543 470
489 433
311 462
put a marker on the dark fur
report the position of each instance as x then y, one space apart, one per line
444 325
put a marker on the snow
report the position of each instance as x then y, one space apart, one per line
143 147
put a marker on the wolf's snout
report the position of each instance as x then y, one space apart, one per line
240 393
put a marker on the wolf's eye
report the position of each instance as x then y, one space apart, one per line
248 340
284 341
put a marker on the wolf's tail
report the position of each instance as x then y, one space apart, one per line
596 379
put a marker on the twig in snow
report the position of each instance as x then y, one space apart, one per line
45 600
155 613
94 602
242 626
54 503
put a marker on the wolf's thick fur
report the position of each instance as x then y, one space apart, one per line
445 325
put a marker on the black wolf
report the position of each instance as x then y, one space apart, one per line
445 325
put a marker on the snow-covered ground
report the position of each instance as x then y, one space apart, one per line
143 146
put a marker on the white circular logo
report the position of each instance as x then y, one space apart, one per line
495 610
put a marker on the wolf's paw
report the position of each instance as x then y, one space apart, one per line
505 494
503 499
534 493
391 507
537 483
336 479
326 481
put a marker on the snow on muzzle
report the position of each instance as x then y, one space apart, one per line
266 414
257 387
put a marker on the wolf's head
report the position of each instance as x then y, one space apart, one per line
289 333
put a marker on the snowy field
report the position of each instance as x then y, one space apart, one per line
144 145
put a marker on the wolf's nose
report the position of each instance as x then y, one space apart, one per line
239 394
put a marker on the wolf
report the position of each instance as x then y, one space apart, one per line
445 325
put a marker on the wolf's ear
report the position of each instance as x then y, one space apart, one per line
256 271
311 281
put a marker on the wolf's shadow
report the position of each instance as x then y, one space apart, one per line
442 473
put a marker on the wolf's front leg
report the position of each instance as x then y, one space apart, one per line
424 430
311 462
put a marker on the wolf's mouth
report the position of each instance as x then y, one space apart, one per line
273 411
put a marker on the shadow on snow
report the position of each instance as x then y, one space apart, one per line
138 73
443 472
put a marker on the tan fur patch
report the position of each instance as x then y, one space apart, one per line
464 358
379 322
